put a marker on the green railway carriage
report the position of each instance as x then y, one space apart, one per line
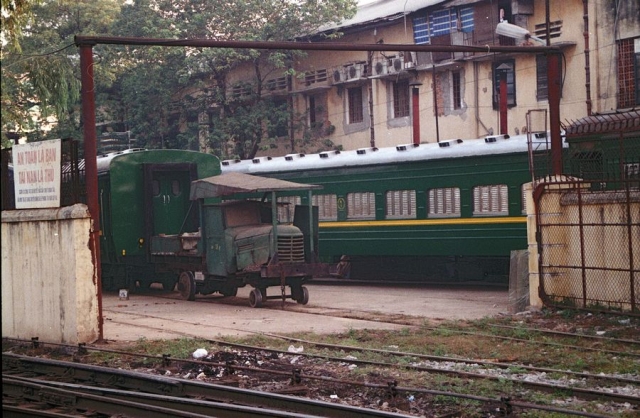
450 211
145 193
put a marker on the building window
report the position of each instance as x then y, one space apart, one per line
401 204
542 90
628 72
361 205
327 206
400 99
317 108
456 87
356 110
491 200
510 72
444 202
542 81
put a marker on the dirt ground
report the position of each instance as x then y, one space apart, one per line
331 309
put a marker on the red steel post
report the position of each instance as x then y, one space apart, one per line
415 96
503 103
91 166
554 82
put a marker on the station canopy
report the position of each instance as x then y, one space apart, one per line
231 183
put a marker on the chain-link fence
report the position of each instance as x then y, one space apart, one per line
588 226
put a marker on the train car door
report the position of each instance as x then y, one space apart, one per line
167 198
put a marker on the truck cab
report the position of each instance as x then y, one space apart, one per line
240 241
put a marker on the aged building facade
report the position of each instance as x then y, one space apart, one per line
354 99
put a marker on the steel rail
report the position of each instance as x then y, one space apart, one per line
194 407
502 365
100 399
578 392
179 387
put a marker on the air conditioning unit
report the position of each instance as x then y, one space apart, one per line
381 68
395 65
338 76
353 72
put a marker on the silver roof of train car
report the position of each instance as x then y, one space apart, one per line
456 148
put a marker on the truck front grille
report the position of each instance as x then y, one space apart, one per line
291 249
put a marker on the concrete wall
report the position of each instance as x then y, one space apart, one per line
49 287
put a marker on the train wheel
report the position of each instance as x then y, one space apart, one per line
187 285
255 298
303 298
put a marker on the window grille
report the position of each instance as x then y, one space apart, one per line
401 204
327 206
400 99
457 90
444 202
361 205
490 200
356 111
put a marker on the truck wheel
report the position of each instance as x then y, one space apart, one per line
187 285
255 298
303 298
229 291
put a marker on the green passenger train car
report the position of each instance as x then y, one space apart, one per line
450 211
145 193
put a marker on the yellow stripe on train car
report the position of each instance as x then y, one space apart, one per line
425 222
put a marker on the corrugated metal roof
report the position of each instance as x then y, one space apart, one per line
382 10
605 123
230 183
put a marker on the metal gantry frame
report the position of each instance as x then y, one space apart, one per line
86 44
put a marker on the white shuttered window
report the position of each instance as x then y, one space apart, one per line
444 202
490 200
401 204
361 205
327 207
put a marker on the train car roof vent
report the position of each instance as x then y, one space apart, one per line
492 139
406 147
259 159
229 162
291 157
362 151
327 154
449 143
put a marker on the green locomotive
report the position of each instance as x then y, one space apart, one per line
169 217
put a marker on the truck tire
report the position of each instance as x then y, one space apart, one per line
187 285
255 298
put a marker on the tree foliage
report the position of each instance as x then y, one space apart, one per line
157 93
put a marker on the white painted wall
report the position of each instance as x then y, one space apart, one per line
49 286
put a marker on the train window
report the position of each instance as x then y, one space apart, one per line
491 200
444 202
175 188
327 206
361 205
286 210
155 187
401 204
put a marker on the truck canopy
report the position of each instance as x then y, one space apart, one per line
231 183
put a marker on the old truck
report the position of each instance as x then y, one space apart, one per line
241 241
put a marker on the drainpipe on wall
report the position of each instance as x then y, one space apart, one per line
435 102
587 66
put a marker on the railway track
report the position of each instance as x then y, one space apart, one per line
600 391
109 391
